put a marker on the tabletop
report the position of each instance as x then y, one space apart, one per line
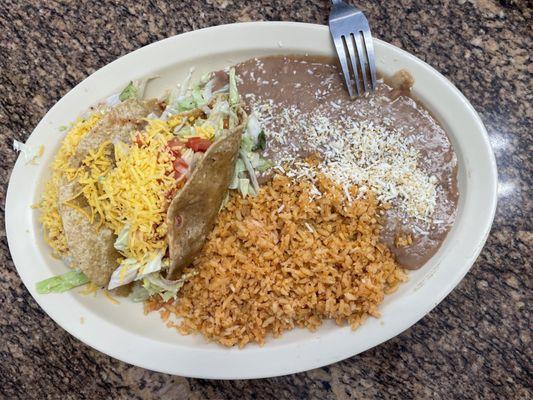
475 344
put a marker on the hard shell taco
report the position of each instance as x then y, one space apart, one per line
137 184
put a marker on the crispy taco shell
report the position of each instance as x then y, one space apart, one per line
91 249
193 210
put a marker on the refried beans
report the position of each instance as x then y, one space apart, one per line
300 100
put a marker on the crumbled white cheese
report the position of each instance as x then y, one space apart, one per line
356 153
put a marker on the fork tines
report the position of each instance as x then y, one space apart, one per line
353 41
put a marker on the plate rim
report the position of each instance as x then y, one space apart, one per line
249 373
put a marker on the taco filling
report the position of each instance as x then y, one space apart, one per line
136 176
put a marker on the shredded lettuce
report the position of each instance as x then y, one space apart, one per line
233 91
253 128
129 92
253 140
207 92
264 164
254 133
29 153
121 243
186 104
131 270
221 108
244 186
223 89
249 162
237 173
139 293
250 170
62 283
124 274
188 156
184 86
134 90
151 266
191 96
176 101
258 162
154 284
197 96
185 132
141 85
261 142
254 158
113 100
220 111
247 143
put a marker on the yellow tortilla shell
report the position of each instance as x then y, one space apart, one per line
91 249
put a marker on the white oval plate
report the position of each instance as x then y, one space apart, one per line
123 332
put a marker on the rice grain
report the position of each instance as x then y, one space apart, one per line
263 271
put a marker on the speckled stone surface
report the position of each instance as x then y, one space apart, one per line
475 344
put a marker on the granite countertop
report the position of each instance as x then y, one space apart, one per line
475 344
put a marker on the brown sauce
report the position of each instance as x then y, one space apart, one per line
311 86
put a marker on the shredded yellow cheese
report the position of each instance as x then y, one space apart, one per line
94 167
79 129
123 184
134 190
90 288
205 131
174 121
110 298
50 217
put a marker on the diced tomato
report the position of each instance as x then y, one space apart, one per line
138 140
175 143
180 183
198 144
180 167
175 146
170 194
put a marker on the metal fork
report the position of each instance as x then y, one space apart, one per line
350 32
